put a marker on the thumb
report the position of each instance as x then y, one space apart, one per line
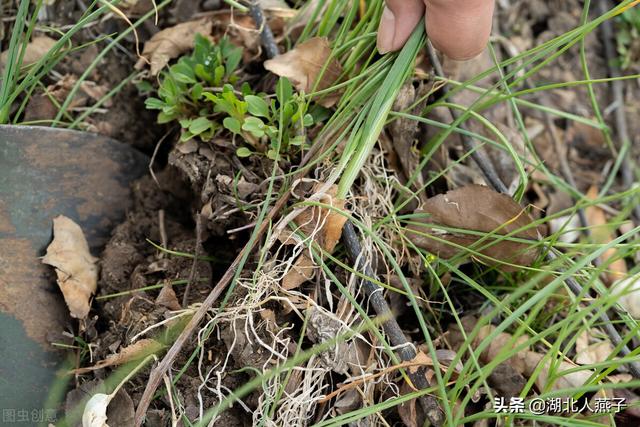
399 18
459 28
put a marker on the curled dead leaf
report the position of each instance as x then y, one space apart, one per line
476 208
167 298
325 226
305 64
171 43
75 267
135 351
525 361
302 270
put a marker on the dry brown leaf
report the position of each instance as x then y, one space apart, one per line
304 64
596 352
96 92
171 43
420 360
602 233
41 106
135 351
408 410
167 298
524 361
35 50
302 270
503 340
476 208
76 269
330 225
562 382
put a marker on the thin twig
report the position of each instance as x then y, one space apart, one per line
574 286
266 36
153 157
406 351
163 232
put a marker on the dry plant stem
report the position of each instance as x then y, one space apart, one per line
163 231
617 87
266 36
492 177
406 351
153 157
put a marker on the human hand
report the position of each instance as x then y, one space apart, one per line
458 28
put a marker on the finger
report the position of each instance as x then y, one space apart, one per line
459 28
399 18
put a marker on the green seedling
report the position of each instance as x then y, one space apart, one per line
202 93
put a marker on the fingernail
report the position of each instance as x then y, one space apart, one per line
386 31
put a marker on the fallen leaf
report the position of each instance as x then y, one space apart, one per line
326 228
480 209
561 381
135 351
419 361
525 361
96 92
36 49
171 43
302 270
408 410
41 106
304 65
167 298
602 233
76 269
596 352
628 292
